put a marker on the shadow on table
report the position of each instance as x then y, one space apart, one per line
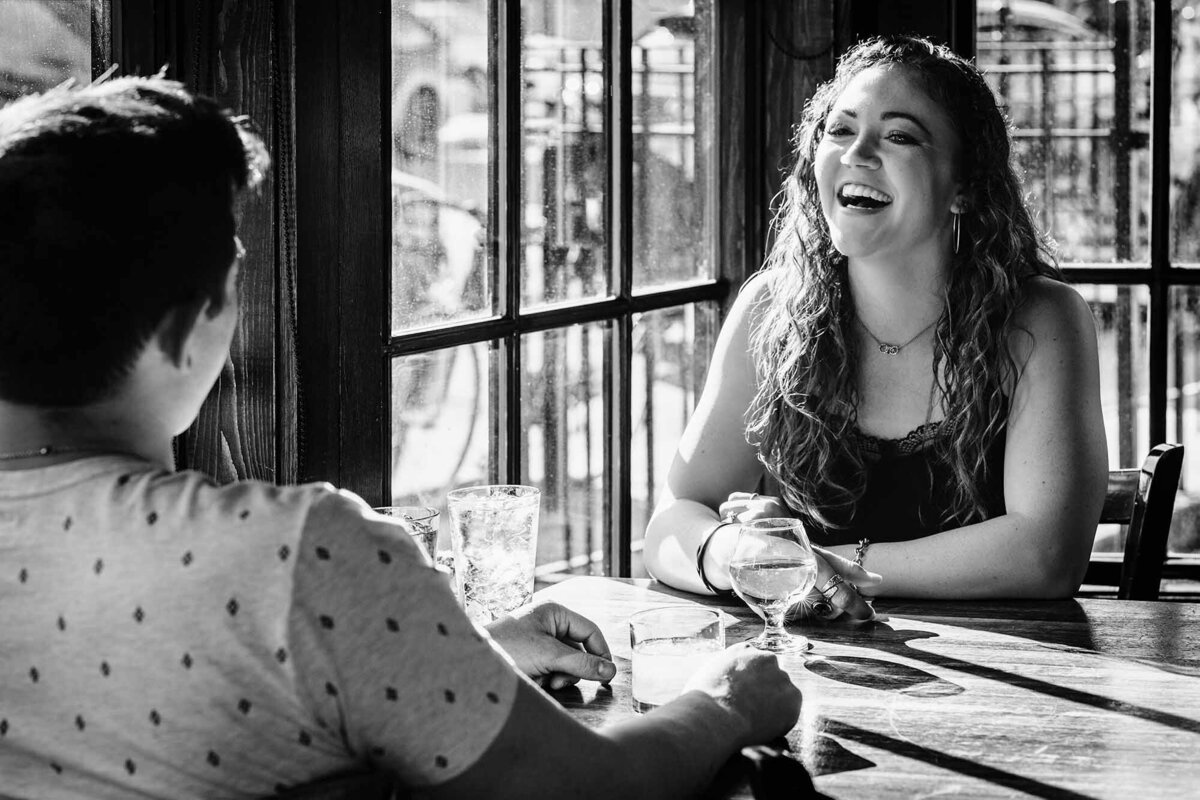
944 760
890 676
886 676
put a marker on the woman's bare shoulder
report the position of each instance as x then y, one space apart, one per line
1052 317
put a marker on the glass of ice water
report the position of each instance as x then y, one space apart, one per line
669 644
493 530
422 523
772 567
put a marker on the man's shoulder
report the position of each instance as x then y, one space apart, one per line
196 496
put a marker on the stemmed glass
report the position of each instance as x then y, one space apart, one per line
773 566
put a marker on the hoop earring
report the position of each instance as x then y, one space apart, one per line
957 225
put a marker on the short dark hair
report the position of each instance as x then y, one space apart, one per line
116 208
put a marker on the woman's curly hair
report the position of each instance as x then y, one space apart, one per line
804 412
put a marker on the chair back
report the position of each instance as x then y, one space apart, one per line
1143 499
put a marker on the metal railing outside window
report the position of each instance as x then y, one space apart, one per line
1103 99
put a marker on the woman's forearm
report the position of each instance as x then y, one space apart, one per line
1010 556
673 538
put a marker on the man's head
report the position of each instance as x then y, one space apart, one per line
116 216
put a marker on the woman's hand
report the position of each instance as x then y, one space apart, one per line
839 596
745 506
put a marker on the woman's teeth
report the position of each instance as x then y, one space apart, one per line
858 196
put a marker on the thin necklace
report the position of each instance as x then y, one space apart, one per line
46 450
887 348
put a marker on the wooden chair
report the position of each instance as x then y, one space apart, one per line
1143 499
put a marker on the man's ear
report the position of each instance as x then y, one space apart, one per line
175 328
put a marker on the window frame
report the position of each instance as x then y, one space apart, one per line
343 72
1158 274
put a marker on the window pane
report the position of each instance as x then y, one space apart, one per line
440 125
564 168
440 429
1185 135
671 348
562 415
1122 325
42 44
1060 70
1183 422
672 142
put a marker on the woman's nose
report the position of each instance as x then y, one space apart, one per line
861 153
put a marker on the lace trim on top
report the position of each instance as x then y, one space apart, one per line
916 440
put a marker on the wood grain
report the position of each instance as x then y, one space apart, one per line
229 49
1062 699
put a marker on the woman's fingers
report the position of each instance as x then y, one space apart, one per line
852 572
835 589
745 506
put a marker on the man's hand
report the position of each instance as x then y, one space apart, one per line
554 645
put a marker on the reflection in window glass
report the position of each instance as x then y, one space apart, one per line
1183 421
1060 70
670 359
562 415
672 142
440 124
42 44
1122 327
564 170
1185 135
440 430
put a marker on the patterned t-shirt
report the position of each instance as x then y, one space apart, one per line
163 636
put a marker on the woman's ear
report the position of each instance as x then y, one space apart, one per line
960 205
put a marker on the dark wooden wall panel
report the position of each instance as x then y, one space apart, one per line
796 51
318 195
344 243
230 53
230 50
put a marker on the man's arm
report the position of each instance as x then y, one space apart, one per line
740 698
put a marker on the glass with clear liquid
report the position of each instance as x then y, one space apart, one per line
772 567
494 533
669 644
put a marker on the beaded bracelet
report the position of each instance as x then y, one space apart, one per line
700 551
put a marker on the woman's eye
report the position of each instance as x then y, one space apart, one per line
901 138
837 130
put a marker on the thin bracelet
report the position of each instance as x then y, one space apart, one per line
860 552
700 551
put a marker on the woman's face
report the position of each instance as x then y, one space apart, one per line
886 169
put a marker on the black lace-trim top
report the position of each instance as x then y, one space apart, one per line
917 439
909 489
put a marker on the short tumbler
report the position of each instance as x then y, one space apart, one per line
669 644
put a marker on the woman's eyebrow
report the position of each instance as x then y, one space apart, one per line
886 115
909 117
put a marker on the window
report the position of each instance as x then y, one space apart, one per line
553 288
43 43
1105 101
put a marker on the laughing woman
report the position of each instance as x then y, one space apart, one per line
907 373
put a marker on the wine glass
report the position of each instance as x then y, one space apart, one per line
773 566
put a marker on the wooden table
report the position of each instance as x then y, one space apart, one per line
1063 699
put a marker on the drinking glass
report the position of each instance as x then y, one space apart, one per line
494 533
669 644
422 523
773 566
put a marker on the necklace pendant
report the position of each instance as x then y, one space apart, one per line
888 349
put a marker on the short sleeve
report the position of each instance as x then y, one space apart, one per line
386 657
